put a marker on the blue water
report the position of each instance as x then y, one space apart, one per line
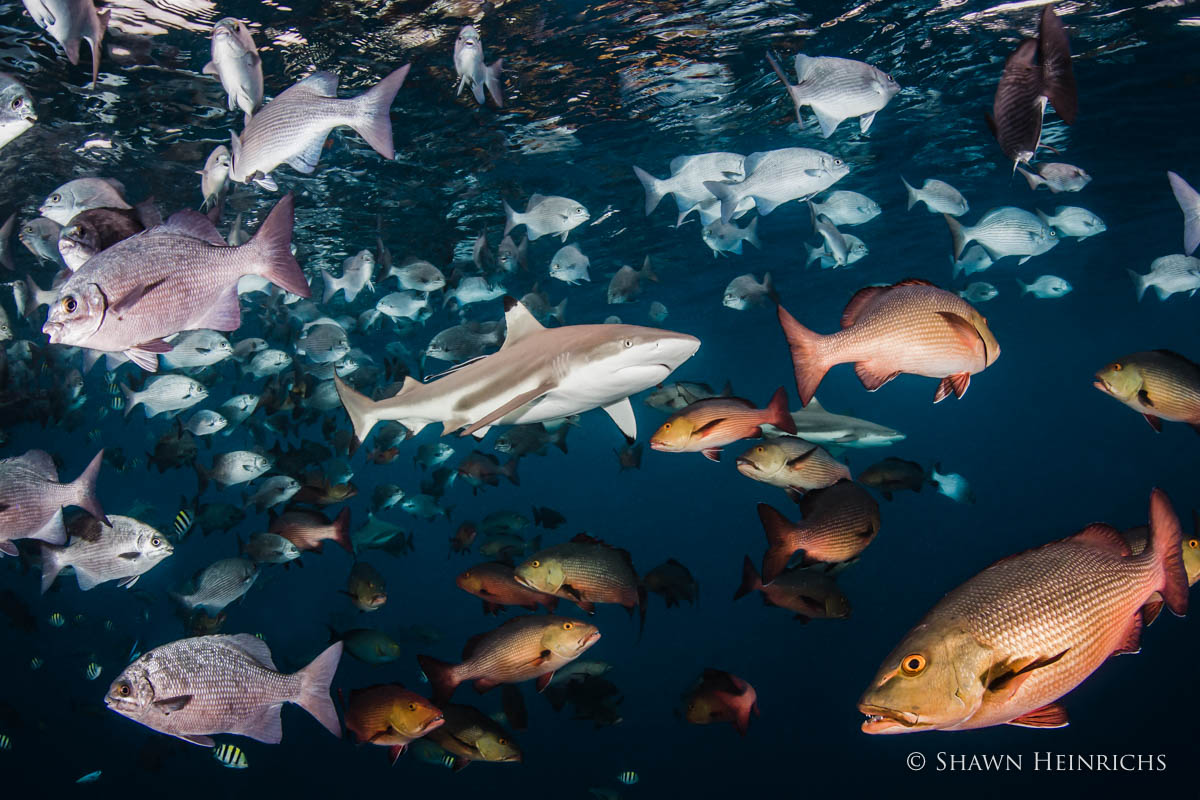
591 90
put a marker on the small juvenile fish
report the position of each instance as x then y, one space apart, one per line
366 587
546 216
1169 275
847 208
272 492
775 177
856 250
230 756
267 363
418 276
974 259
835 244
939 197
471 69
230 469
198 348
979 292
57 620
236 63
570 265
214 178
1074 221
1057 177
626 284
91 777
628 777
952 485
744 291
92 671
356 276
724 239
1046 287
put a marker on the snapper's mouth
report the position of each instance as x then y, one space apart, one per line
889 720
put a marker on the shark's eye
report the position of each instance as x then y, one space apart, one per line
628 343
913 664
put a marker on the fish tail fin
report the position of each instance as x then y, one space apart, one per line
751 582
741 722
1139 283
341 530
101 27
913 197
727 194
272 246
1189 202
1032 179
131 398
85 488
1024 287
559 312
491 79
808 361
777 412
373 115
360 408
654 189
1166 544
958 235
559 437
331 286
51 565
510 218
314 688
751 234
778 530
442 677
769 286
509 470
647 272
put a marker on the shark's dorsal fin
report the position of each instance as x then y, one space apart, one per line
518 321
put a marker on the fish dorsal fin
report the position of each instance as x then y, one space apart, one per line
194 224
583 538
859 302
1173 354
471 644
913 282
1104 537
323 84
254 647
518 321
42 463
815 404
722 682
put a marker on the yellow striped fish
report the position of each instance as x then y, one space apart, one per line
183 522
57 620
5 742
36 662
93 671
230 756
628 777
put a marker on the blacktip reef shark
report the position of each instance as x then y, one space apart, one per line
538 374
815 424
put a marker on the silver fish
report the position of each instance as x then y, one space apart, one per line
744 291
195 687
323 341
268 362
939 197
856 250
847 208
510 255
270 548
835 244
724 239
979 292
214 178
238 466
974 259
32 499
235 62
549 215
1004 231
776 176
1045 287
272 492
1074 221
419 276
472 72
122 551
403 305
688 176
837 89
218 585
474 289
1056 177
17 114
1169 275
40 237
570 265
205 422
129 297
165 393
293 127
82 194
198 348
70 22
356 276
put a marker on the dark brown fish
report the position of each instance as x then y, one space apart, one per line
893 475
807 592
674 582
721 697
839 523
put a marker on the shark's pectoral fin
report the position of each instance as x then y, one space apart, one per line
509 407
622 414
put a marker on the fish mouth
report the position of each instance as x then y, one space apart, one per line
742 461
1102 385
431 723
590 640
888 720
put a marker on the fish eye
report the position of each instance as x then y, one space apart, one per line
155 542
760 449
69 304
1115 367
18 102
837 162
535 563
56 198
1194 544
1053 233
502 741
913 664
667 426
412 706
124 689
628 342
28 229
568 625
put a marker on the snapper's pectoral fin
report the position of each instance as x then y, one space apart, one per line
540 659
571 590
543 681
712 453
1049 716
130 298
1154 421
202 741
1007 678
170 705
621 413
507 408
966 331
145 355
1144 398
952 384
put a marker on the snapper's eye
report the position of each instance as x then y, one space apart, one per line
1193 544
913 664
535 563
1115 367
568 625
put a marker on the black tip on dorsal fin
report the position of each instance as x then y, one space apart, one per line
509 302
